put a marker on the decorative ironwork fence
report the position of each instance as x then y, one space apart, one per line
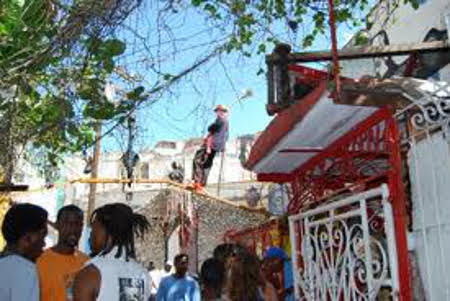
362 159
426 138
346 250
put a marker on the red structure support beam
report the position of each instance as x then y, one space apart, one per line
334 50
302 150
274 177
399 210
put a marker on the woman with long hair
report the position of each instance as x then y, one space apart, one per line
244 279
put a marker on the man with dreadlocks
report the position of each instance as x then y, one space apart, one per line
113 274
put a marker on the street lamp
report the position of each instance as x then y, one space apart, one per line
245 94
278 79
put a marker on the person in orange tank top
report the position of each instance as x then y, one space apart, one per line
58 266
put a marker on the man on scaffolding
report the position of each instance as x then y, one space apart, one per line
213 143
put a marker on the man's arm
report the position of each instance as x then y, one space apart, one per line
87 284
196 292
216 126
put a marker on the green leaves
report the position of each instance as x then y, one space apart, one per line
10 13
91 88
308 40
100 109
261 48
108 64
343 15
360 39
197 2
257 25
60 76
104 52
211 9
415 4
112 47
167 76
36 13
136 94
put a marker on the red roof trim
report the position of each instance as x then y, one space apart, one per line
309 75
301 150
275 177
282 124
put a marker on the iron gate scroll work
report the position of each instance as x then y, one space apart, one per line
348 249
362 159
426 123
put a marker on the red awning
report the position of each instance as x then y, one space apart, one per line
301 130
281 125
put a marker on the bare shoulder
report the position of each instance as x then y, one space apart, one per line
87 284
84 257
89 272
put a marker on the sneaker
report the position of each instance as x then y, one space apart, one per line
199 188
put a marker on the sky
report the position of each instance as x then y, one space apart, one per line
187 110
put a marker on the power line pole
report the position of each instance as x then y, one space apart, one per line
219 182
94 172
109 91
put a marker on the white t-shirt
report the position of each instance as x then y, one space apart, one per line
155 277
121 279
18 279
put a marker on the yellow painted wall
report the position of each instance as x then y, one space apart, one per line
4 205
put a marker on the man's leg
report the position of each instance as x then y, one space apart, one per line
197 166
207 166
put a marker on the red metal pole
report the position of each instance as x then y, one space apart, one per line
334 49
399 210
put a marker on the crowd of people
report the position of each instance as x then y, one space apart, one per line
111 272
235 274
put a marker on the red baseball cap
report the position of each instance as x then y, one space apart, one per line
221 108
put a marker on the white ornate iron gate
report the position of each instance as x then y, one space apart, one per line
348 249
427 137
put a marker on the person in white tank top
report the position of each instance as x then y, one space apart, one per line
113 274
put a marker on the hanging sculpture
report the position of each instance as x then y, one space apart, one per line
253 196
130 158
177 172
278 199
